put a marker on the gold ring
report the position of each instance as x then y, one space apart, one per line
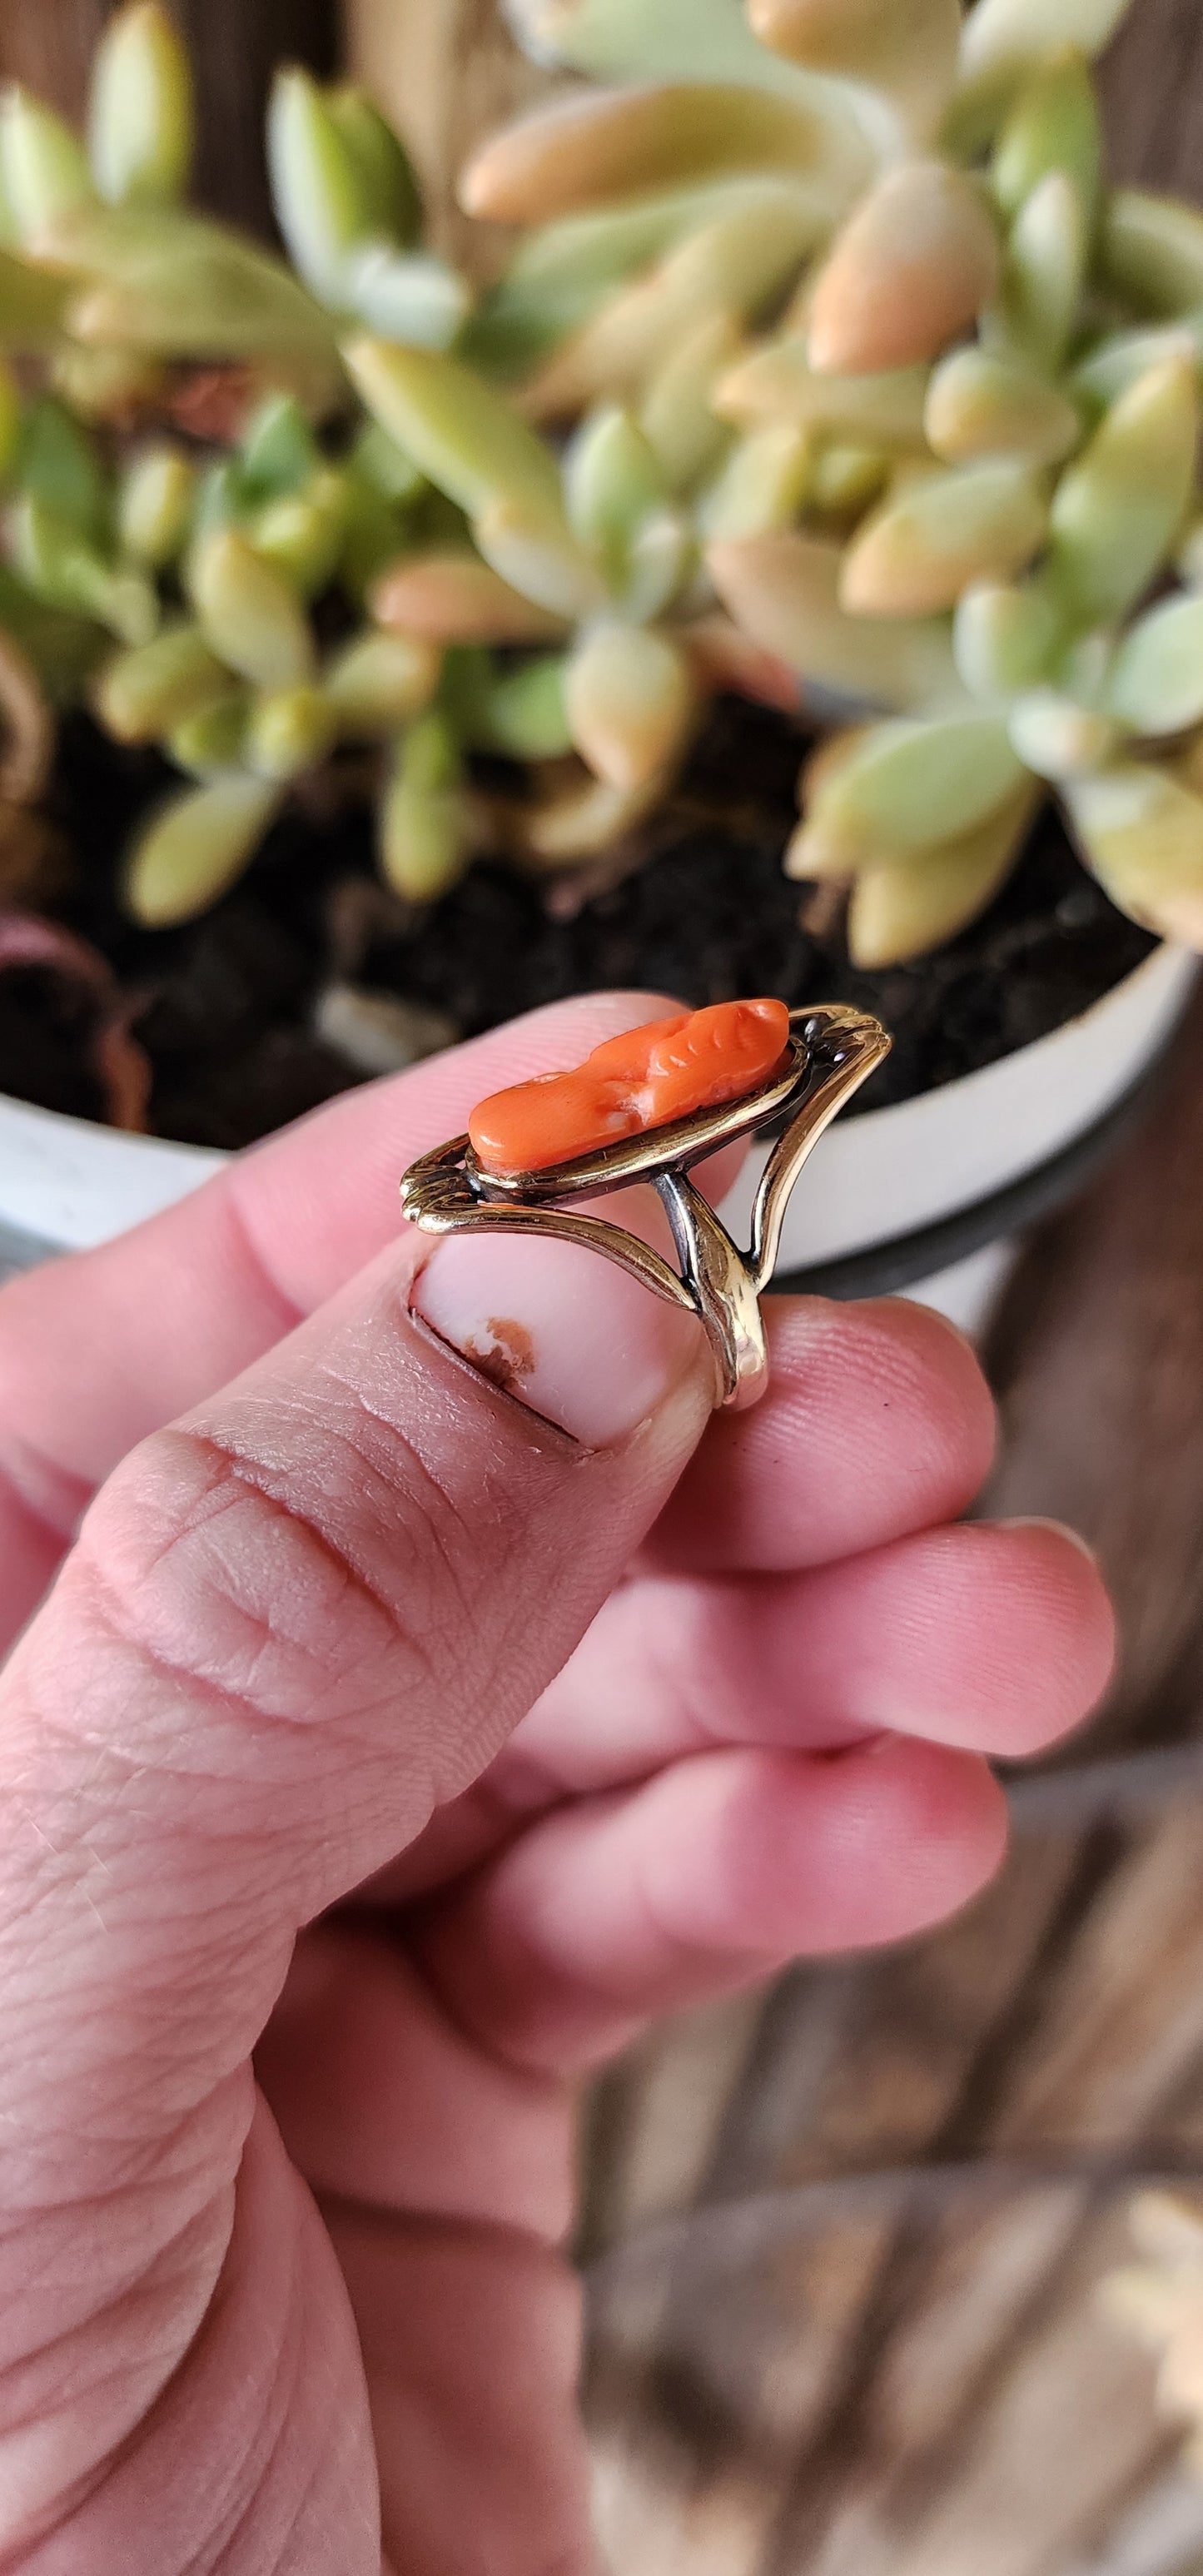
829 1053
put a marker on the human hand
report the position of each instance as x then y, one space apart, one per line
316 1660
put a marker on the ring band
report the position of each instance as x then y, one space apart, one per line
831 1051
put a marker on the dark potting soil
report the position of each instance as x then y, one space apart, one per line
223 1007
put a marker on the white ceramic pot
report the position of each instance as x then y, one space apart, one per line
882 1180
882 1190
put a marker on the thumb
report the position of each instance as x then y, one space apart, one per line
293 1625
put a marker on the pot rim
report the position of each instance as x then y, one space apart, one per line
67 1183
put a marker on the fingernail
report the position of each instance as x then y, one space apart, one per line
562 1330
1059 1529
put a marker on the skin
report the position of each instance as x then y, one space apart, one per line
382 1742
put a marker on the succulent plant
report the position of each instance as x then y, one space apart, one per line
824 368
958 481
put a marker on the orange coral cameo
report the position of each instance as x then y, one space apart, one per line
632 1085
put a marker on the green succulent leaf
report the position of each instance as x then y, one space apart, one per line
1141 833
140 129
43 172
425 824
251 615
1118 511
783 591
196 848
1152 251
1156 680
1053 125
143 694
906 907
906 786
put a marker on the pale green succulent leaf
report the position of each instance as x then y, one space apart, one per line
545 565
196 848
1141 833
175 285
279 453
625 40
525 714
613 481
411 297
142 695
982 405
1156 679
597 148
322 206
783 592
43 171
250 614
560 275
1118 511
1057 738
388 184
156 504
763 485
922 548
425 827
465 437
779 383
1006 639
66 573
1118 361
380 462
1004 40
289 731
631 703
740 264
1047 261
304 533
908 907
678 416
1152 251
140 126
662 562
379 682
59 465
901 55
1053 125
905 785
210 743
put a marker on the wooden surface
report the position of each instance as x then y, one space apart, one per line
233 43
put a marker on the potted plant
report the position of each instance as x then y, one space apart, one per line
829 410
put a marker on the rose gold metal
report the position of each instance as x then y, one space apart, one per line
832 1052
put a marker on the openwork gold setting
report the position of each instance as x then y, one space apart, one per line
832 1051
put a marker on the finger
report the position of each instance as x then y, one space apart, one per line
992 1639
878 1421
998 1639
711 1876
293 1626
98 1350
